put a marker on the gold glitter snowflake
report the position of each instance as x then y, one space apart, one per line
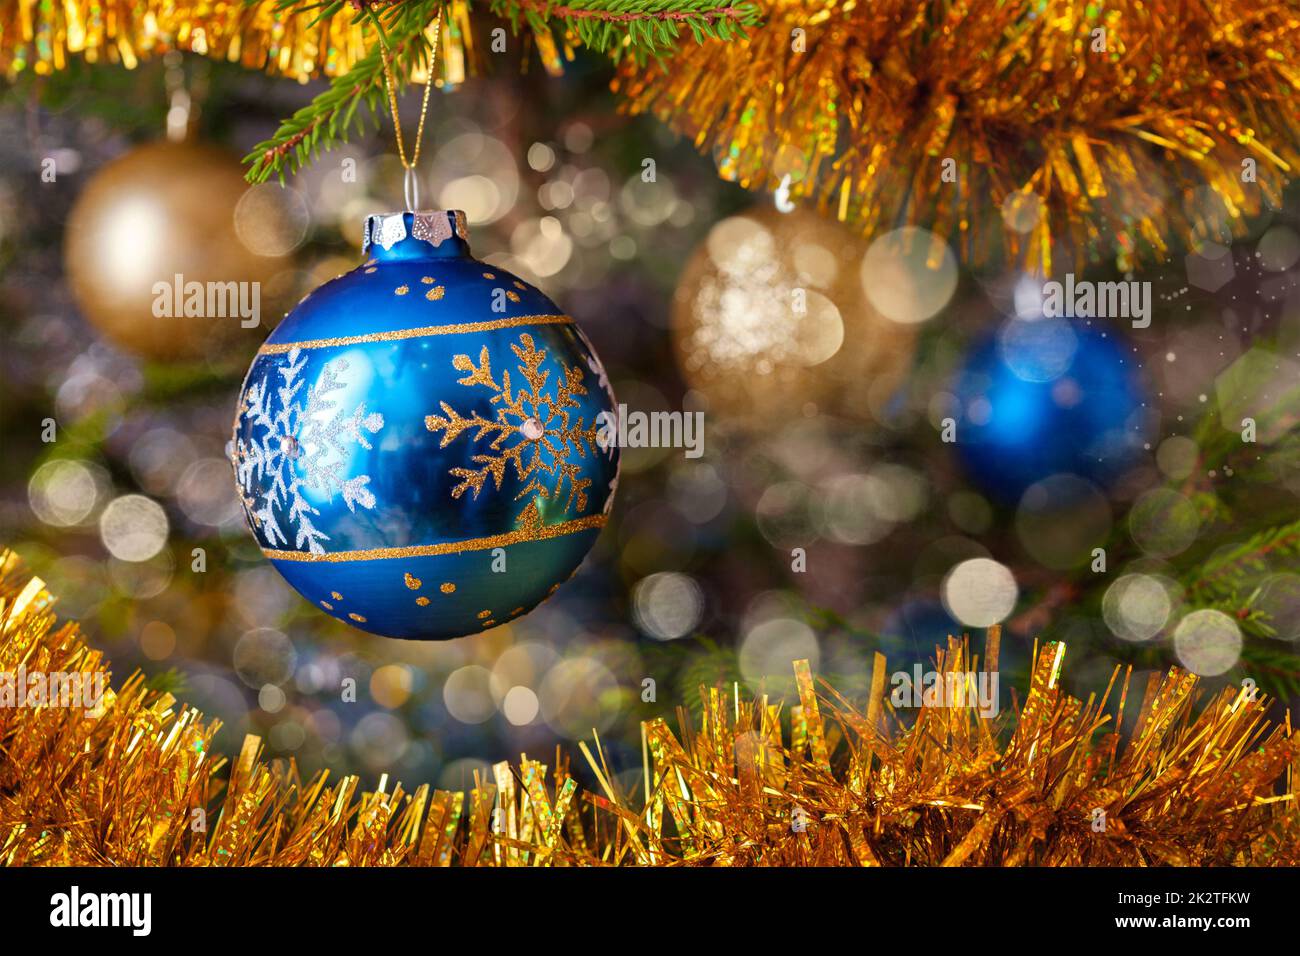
534 430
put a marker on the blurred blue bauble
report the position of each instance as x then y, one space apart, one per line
421 445
1044 396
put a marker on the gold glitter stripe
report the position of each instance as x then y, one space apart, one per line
279 348
448 547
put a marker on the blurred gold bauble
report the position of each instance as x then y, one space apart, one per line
161 211
770 315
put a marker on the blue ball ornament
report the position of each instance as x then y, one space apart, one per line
425 446
1044 396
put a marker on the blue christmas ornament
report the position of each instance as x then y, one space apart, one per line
1044 396
424 447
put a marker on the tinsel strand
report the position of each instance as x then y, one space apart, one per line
1046 134
135 781
296 43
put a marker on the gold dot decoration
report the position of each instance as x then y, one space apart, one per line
336 596
483 615
412 581
401 290
489 275
427 280
447 587
371 270
434 294
512 296
422 601
357 617
520 285
516 612
327 605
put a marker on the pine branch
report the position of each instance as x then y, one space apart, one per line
1234 563
1276 663
321 124
638 27
332 116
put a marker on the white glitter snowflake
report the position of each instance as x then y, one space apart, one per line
607 432
299 445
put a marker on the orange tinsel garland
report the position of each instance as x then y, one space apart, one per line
134 782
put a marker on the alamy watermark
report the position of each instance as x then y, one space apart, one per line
922 688
133 911
1098 300
624 429
24 688
208 300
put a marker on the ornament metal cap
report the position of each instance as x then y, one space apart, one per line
434 227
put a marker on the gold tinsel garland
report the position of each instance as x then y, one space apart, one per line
135 782
1089 127
1042 131
42 36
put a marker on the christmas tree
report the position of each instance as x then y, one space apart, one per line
906 322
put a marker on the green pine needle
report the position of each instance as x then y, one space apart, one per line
640 28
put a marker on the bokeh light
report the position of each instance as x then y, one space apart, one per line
157 640
980 592
467 694
390 685
909 274
474 170
784 513
133 528
1062 519
754 318
206 494
697 491
1208 642
159 458
847 511
770 648
264 656
579 695
1038 349
63 492
272 220
1177 457
271 699
142 579
520 665
520 705
667 605
1279 598
542 245
380 740
1163 522
1278 249
1021 211
1136 607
